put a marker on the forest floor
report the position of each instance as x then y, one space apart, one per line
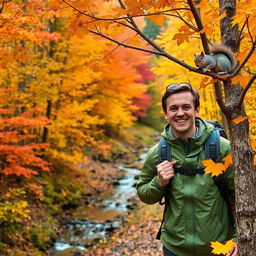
136 238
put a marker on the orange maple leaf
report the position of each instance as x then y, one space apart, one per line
219 248
239 119
181 37
227 161
213 168
253 143
204 82
158 19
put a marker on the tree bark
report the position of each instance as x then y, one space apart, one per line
243 154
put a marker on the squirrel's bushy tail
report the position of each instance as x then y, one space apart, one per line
222 49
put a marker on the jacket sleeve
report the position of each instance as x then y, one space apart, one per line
148 189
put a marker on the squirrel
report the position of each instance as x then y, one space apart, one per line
222 60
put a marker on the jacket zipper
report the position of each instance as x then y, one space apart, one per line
186 150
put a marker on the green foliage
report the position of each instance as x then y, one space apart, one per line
151 29
154 117
60 194
63 187
42 234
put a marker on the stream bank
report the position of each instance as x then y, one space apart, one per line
101 213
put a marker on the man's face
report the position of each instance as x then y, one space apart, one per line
181 114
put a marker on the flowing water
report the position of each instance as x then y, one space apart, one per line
91 223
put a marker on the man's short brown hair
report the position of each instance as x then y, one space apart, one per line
177 88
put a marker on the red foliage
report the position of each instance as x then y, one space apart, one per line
142 104
19 153
145 72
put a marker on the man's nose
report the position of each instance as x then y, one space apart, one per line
180 112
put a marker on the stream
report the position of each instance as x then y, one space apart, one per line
90 223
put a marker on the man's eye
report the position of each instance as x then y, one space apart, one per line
173 108
186 107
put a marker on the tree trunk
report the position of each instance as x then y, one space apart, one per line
245 187
244 169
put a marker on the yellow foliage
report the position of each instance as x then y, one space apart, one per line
219 248
213 168
228 161
169 72
14 209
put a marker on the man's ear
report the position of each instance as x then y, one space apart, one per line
165 116
197 111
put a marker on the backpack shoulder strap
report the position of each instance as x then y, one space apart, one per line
226 194
212 151
212 146
164 151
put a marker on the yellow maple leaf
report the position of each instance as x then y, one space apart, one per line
227 160
239 119
219 248
213 168
254 162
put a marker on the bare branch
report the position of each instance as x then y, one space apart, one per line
249 31
247 87
241 31
122 4
188 24
123 44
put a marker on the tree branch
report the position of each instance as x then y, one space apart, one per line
200 26
204 41
122 4
160 53
3 3
247 87
121 18
179 17
241 31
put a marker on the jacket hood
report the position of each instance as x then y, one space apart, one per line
204 130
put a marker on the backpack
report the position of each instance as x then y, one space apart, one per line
212 151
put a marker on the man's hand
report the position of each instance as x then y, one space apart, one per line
165 172
233 252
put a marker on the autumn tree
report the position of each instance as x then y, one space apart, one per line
199 23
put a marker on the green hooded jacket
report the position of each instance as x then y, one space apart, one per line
196 213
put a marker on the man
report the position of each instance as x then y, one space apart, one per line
196 213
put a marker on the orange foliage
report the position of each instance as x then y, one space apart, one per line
216 169
20 154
